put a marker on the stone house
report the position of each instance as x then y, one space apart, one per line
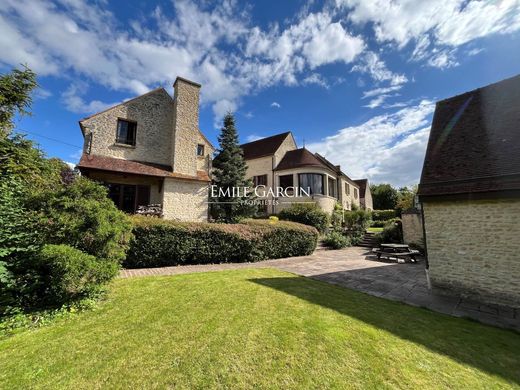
277 162
470 194
150 150
365 196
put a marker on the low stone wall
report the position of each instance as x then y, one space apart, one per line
473 248
412 226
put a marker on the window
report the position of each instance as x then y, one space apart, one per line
260 180
127 197
126 132
347 189
286 181
200 150
332 187
311 183
355 193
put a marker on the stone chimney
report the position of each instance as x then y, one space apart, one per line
185 126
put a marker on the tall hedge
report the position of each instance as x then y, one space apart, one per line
383 215
158 242
308 214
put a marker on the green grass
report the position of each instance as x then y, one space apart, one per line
375 229
257 328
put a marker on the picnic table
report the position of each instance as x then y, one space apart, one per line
396 250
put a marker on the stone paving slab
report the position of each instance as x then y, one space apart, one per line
357 269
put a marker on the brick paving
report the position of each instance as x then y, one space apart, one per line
357 269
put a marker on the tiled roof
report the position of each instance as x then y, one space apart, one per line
111 164
362 183
300 158
474 144
263 147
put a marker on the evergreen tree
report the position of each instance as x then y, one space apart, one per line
230 172
15 96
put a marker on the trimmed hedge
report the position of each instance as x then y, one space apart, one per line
308 214
383 215
159 242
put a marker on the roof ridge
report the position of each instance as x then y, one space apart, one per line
265 138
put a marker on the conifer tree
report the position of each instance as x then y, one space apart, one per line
230 172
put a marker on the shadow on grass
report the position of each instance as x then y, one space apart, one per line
493 350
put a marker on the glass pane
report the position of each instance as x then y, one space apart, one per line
122 131
128 199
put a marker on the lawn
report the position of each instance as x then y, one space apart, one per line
375 229
257 328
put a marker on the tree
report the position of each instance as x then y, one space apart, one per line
230 173
406 198
384 196
15 96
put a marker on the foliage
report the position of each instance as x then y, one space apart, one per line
308 214
15 320
357 220
160 242
81 215
59 274
337 217
336 240
15 96
392 233
229 172
406 198
384 196
383 215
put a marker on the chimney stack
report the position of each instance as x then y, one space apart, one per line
185 126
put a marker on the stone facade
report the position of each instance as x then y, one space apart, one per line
473 248
185 127
412 226
185 200
153 113
167 133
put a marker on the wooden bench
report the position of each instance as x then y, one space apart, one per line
406 254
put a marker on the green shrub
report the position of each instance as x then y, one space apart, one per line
61 274
383 215
336 240
337 217
158 242
308 214
357 220
383 223
392 232
82 216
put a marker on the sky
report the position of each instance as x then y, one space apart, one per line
354 80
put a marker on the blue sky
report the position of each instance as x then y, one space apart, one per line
355 80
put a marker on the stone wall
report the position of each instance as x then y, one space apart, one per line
153 114
185 200
186 125
347 198
473 248
412 226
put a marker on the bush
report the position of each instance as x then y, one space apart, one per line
357 221
81 215
383 215
383 223
61 274
336 240
337 217
308 214
160 242
392 232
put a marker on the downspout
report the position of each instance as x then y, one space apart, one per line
426 263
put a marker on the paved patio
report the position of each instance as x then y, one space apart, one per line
357 269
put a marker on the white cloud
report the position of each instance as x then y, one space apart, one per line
379 91
386 148
276 105
41 93
376 68
74 102
317 79
434 23
253 137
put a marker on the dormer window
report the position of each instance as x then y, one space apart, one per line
126 131
200 150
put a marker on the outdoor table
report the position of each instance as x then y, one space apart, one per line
396 250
